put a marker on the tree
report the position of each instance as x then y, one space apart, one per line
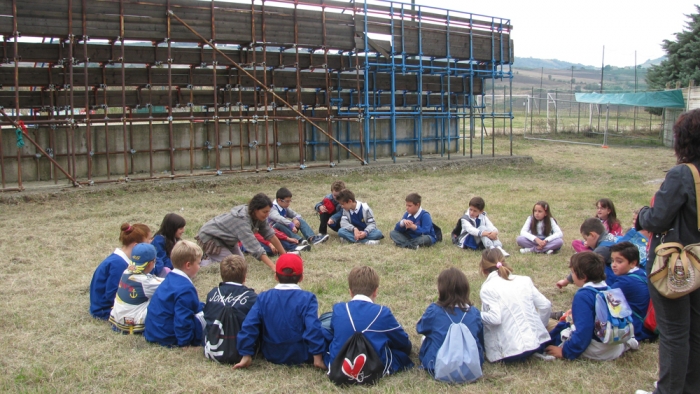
683 57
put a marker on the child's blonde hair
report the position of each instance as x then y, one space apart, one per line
184 252
337 186
233 268
363 280
493 260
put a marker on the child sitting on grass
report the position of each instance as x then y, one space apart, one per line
170 231
357 223
105 280
136 288
605 212
415 229
599 241
290 245
453 299
289 222
580 340
175 314
284 321
540 233
386 335
231 292
514 312
329 209
634 285
477 229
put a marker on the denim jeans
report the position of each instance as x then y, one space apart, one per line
349 236
304 229
403 241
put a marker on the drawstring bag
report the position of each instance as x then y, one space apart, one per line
357 363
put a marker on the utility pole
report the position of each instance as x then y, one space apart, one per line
602 71
540 95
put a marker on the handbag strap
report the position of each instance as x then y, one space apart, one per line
696 178
668 248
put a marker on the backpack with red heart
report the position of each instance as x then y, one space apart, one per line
357 363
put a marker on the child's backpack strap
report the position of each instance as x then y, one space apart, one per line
347 308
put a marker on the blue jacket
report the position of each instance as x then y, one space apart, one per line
583 313
162 258
638 240
424 223
386 334
104 284
605 241
434 325
240 297
635 288
285 322
602 248
171 317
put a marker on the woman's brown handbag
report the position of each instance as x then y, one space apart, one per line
676 268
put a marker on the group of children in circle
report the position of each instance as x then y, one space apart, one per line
147 287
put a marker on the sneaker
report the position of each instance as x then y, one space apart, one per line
318 238
303 248
372 242
303 242
544 357
505 254
525 250
632 344
550 251
342 240
294 252
643 392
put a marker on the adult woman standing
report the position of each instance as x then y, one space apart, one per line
219 237
675 213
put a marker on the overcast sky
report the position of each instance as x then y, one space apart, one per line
576 31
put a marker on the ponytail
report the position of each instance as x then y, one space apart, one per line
493 260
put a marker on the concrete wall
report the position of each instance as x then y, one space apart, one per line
192 152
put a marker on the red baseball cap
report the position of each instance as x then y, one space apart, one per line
291 261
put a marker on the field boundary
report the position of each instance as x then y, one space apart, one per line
38 191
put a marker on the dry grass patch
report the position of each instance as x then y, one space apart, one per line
51 246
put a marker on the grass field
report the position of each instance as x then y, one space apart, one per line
50 245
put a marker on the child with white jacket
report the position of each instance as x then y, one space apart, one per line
514 312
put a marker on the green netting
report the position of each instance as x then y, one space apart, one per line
665 99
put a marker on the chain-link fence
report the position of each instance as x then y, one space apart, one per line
557 115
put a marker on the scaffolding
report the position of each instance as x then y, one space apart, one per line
118 90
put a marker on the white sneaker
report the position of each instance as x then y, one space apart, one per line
294 252
372 242
544 357
525 250
505 254
643 392
302 248
632 344
303 242
550 251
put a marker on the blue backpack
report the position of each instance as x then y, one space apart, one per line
613 316
457 360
